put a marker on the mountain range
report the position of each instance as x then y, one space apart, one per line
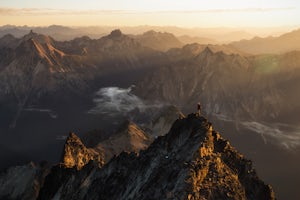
62 33
85 84
270 45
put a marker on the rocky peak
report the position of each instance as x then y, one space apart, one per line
42 39
9 37
161 41
8 40
84 40
191 162
119 44
129 137
150 33
206 52
115 34
76 155
217 170
30 35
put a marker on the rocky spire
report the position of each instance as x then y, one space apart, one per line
76 155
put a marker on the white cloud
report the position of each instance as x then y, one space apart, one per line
284 135
289 139
115 100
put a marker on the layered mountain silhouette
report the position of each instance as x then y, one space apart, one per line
186 39
54 84
275 45
226 83
43 62
62 33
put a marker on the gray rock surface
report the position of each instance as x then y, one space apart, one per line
191 162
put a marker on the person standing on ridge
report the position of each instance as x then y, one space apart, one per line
199 109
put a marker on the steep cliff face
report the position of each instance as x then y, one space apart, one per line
191 162
76 155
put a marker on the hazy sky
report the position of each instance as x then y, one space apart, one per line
187 13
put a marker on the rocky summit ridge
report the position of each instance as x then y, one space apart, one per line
191 162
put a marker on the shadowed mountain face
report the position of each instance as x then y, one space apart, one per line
234 86
191 162
254 94
129 138
23 182
38 64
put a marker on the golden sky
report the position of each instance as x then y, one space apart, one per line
185 13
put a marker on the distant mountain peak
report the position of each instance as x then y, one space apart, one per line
8 37
207 51
150 32
115 34
130 138
8 40
161 41
40 38
31 34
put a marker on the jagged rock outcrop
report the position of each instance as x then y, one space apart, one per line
191 162
76 155
22 182
129 138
